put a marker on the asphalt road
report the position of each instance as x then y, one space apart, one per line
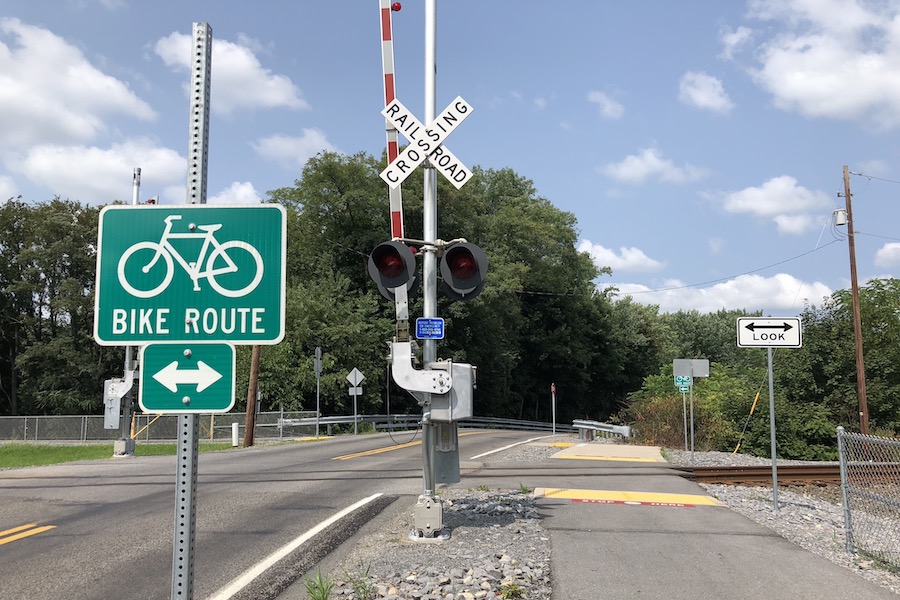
113 519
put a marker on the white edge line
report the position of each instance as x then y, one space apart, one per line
261 567
508 447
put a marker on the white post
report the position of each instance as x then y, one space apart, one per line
553 399
235 434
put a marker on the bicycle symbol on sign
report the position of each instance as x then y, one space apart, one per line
228 254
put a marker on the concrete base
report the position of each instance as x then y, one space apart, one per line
123 448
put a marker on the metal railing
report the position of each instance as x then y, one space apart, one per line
870 486
218 427
587 429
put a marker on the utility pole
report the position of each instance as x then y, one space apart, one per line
857 320
250 425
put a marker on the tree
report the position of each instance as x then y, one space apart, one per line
51 363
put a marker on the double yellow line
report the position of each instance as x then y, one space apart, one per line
391 448
23 531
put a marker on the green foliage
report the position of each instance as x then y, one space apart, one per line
541 319
512 591
359 583
319 587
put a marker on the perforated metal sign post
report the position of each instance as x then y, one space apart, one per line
190 273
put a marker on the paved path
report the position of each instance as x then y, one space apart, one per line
638 530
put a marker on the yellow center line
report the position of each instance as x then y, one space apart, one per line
390 448
24 531
377 451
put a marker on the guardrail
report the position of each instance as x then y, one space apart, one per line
587 429
392 421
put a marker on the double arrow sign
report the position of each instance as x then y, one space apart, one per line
754 332
426 143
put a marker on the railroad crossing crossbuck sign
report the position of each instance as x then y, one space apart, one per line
426 142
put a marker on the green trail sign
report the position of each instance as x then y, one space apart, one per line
190 377
190 273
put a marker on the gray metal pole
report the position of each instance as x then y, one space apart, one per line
845 490
128 400
429 266
692 414
185 508
772 432
188 425
684 416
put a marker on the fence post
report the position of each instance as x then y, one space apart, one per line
845 496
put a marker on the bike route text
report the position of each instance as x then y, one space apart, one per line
209 321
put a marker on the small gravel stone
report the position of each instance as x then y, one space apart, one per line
498 544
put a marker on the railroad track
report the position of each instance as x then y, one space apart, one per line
787 474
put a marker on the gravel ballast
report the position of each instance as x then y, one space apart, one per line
498 548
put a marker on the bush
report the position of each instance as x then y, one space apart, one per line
659 421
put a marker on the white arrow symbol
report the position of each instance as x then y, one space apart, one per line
203 376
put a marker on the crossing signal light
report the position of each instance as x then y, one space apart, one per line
463 268
391 265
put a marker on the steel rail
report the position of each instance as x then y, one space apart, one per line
787 474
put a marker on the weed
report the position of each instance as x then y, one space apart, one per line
362 589
524 489
511 591
483 488
319 587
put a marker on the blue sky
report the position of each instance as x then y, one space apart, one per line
699 144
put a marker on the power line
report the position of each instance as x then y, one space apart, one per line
873 177
702 283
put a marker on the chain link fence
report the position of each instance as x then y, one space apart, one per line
870 483
148 428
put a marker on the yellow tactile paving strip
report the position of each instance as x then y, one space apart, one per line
615 458
624 497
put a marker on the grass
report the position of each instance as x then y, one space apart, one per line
14 456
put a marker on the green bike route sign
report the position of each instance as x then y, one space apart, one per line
190 273
187 377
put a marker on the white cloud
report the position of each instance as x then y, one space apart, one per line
628 259
733 41
648 164
236 193
239 81
291 152
609 108
704 91
98 176
888 256
789 205
780 293
8 188
832 59
716 245
50 93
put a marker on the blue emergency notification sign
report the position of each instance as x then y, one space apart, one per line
429 328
